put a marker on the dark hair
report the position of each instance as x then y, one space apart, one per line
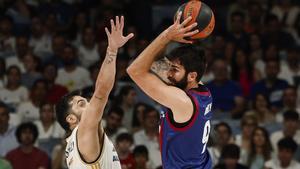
44 104
6 108
230 151
124 137
115 110
2 67
255 99
235 71
237 13
267 148
62 109
141 150
191 57
10 68
24 126
291 115
287 143
148 110
225 125
270 18
123 92
135 120
41 80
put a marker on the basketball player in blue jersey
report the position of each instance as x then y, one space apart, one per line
185 125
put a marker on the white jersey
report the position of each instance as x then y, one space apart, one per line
108 158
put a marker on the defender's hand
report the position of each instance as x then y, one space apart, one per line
178 31
115 37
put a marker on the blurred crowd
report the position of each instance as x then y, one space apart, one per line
51 47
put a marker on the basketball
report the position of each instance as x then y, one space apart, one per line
200 13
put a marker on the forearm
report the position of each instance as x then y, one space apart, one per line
143 62
106 76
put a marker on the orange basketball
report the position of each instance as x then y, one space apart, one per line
200 13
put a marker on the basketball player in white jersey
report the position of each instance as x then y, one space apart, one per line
88 147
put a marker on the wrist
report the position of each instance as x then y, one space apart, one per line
165 36
112 50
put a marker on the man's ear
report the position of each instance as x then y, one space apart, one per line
192 76
71 119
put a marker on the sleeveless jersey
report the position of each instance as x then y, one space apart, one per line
183 145
108 158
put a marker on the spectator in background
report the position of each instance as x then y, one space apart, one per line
141 157
255 49
126 99
290 69
290 129
26 154
227 94
138 116
7 39
242 71
31 63
79 23
29 111
123 143
289 99
93 70
229 158
223 136
261 111
248 124
55 91
149 136
50 132
39 41
22 48
287 148
287 14
71 75
14 93
261 149
8 139
88 49
274 34
236 34
113 123
57 46
255 17
271 86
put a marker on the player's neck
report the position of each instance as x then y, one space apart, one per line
27 149
191 85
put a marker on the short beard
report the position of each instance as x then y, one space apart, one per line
182 84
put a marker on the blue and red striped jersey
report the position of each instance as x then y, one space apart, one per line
184 145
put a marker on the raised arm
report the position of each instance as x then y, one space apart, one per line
169 96
88 137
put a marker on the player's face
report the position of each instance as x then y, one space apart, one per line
79 104
177 75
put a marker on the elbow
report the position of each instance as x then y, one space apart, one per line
132 72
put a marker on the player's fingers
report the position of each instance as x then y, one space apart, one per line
122 22
191 33
190 27
186 41
117 23
186 21
112 24
178 18
129 36
107 32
